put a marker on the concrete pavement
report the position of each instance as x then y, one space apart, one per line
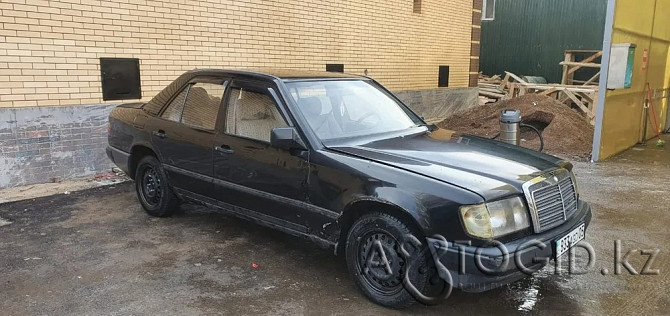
97 252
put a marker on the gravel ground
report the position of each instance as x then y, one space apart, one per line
95 252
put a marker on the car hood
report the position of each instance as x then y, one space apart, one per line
489 168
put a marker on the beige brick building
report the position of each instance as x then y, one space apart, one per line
50 50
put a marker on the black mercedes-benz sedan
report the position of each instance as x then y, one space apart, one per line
338 159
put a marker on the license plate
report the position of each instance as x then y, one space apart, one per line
564 244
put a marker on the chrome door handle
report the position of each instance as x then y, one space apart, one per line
224 149
160 133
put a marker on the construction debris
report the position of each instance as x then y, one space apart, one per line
489 89
565 131
583 96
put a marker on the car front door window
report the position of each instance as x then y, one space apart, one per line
252 114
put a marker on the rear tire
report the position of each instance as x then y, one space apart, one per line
380 231
153 189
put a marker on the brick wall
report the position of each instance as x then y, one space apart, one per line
50 49
39 144
53 116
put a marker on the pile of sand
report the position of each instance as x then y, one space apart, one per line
566 132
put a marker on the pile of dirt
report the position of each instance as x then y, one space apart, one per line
566 132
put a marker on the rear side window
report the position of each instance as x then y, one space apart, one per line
197 105
202 105
173 111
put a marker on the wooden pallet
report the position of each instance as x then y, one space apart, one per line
584 96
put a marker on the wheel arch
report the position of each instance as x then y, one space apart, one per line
137 152
414 217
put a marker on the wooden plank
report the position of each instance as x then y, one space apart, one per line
582 51
589 60
592 80
491 94
570 66
555 85
567 79
579 103
515 77
491 90
548 92
593 57
582 83
503 84
545 86
484 100
580 64
512 90
489 86
587 96
573 89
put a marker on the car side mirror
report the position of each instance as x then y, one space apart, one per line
286 138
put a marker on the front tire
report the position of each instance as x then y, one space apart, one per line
153 189
378 264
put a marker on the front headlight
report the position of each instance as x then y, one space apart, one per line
476 220
508 216
495 219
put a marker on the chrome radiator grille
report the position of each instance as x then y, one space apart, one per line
552 199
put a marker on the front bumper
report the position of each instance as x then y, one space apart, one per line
478 269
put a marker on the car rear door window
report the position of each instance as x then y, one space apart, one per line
252 113
202 105
174 109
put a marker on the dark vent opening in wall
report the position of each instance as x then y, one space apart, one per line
120 78
335 67
443 77
417 6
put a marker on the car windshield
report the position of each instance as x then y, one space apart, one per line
349 108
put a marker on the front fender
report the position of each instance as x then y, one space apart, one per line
395 198
351 186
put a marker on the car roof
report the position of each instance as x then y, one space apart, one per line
157 102
278 73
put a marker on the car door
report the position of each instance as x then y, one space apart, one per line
183 135
250 173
